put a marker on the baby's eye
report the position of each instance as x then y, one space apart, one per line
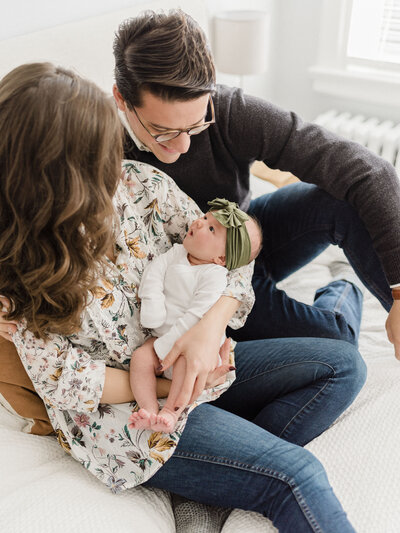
205 217
211 228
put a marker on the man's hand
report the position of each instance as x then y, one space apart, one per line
6 327
393 327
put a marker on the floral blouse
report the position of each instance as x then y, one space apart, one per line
68 372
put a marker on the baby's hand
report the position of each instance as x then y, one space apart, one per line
218 376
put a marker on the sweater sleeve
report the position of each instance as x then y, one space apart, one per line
209 288
258 130
64 376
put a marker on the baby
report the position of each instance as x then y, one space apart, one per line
176 290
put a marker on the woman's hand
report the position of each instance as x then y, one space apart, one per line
393 327
200 346
6 327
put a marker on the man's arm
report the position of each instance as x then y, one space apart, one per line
257 130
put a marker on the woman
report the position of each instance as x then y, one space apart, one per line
75 236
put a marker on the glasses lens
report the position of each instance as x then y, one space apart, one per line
167 136
198 129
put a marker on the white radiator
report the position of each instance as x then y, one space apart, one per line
382 137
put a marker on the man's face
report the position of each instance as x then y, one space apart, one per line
159 116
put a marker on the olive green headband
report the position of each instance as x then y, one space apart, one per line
238 246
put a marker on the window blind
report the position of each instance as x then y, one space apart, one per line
374 31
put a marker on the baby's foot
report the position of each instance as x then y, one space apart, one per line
165 421
142 419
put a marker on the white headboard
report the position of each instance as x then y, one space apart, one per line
85 45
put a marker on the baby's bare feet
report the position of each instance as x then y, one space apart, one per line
142 419
165 421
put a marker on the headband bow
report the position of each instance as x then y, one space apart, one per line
238 246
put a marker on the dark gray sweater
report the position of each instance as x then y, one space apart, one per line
248 129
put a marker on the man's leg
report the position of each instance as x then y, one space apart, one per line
299 222
335 314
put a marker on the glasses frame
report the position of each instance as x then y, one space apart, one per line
188 131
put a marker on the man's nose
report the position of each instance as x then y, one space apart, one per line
181 143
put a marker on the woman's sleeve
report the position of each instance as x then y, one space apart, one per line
178 211
64 376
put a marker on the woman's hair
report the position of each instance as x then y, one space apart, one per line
60 162
165 54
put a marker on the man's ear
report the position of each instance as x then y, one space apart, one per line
220 260
118 99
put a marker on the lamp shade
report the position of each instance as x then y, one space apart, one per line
240 41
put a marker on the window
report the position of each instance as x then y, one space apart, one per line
374 31
359 51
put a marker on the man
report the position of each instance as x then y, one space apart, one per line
206 138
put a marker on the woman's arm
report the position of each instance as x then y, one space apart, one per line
200 347
117 388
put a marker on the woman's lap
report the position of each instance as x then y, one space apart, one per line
297 386
227 461
294 388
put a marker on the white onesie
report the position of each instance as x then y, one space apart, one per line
175 295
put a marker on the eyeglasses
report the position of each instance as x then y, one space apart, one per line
173 134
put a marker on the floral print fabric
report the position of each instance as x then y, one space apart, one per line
68 371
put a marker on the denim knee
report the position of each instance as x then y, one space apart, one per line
303 499
351 367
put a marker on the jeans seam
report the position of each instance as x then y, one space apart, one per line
258 470
369 282
307 405
239 382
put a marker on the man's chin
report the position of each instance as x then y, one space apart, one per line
166 157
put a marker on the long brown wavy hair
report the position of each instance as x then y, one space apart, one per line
60 162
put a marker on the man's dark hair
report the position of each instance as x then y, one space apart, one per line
165 54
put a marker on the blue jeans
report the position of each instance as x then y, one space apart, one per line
299 222
244 450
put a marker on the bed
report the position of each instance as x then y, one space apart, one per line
45 490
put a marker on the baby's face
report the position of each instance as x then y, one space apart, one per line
206 240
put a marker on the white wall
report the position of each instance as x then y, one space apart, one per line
25 16
293 45
295 49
